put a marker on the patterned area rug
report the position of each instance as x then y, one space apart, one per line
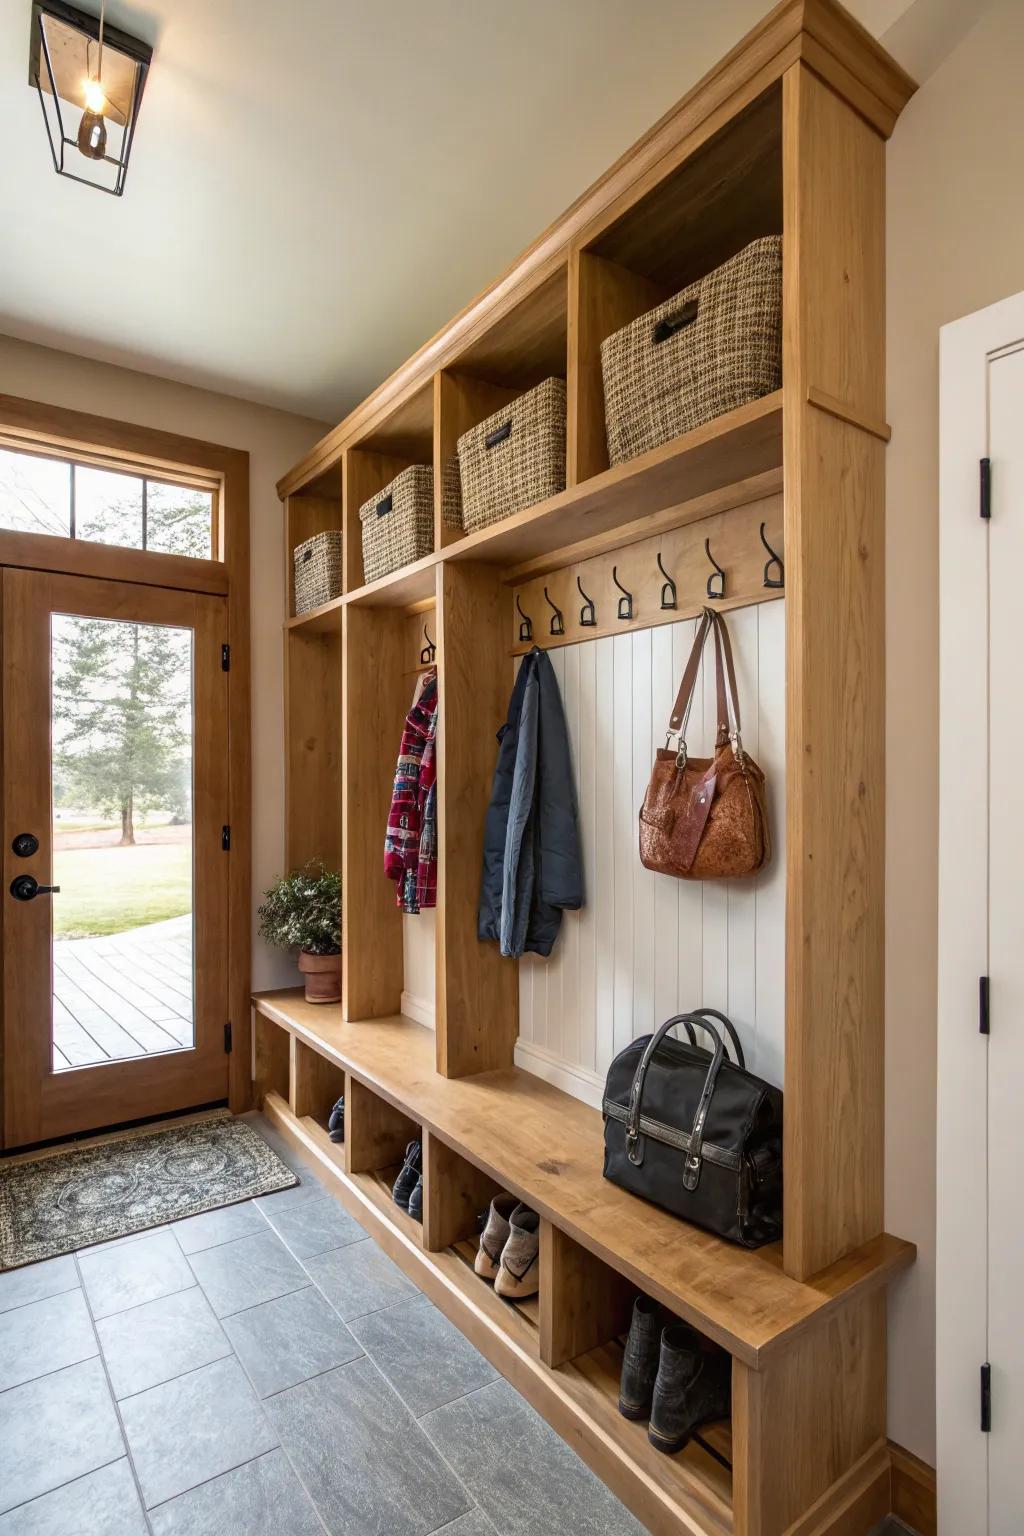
89 1195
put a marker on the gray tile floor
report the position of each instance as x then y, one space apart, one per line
265 1369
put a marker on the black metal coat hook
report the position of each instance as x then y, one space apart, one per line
557 622
588 613
526 627
716 581
668 592
626 601
769 580
429 651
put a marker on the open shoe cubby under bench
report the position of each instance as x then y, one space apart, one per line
599 1245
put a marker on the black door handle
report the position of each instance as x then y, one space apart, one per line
26 887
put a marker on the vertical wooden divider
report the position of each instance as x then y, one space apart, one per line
312 746
810 1423
460 402
477 990
583 1303
376 1134
364 473
271 1068
834 514
454 1191
378 691
603 297
316 1083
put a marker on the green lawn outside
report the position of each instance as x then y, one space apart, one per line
106 890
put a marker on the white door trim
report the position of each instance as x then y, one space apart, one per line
967 350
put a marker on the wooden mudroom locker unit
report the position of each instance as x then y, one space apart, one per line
787 135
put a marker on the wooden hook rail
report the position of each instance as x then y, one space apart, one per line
647 570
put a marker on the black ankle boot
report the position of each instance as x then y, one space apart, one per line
640 1363
336 1124
694 1387
411 1170
416 1200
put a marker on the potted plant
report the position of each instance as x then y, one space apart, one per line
302 912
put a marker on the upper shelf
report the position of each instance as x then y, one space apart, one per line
547 1148
741 450
705 178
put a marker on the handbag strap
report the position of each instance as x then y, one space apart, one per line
726 691
634 1141
723 644
684 698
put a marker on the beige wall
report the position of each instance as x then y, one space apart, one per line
273 441
955 244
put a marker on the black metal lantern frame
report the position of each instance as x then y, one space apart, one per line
60 44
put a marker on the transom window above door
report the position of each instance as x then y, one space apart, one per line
74 500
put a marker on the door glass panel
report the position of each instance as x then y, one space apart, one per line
122 713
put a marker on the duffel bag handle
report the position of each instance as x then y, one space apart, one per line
728 1026
634 1141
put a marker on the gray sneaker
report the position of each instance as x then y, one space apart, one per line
494 1236
519 1272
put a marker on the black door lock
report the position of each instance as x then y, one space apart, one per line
27 887
25 845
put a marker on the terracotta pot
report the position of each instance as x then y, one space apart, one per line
323 977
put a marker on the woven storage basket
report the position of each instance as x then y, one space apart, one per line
715 346
398 523
317 570
514 458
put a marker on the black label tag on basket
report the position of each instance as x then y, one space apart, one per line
384 507
673 324
307 555
498 435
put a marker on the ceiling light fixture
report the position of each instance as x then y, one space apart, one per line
90 79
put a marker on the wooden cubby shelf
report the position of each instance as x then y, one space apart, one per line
786 136
599 1245
546 1147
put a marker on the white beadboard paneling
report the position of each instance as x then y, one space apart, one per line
646 946
419 933
770 886
622 833
599 911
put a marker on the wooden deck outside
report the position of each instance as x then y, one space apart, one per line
129 994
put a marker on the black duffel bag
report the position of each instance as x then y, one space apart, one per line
695 1132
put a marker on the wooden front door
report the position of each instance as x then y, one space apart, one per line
115 790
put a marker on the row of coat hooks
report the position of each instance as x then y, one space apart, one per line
774 577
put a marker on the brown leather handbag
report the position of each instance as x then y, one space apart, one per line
706 818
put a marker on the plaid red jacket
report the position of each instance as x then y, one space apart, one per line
410 846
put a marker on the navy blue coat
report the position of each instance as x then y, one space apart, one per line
532 867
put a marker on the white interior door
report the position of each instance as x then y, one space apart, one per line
1006 947
980 1151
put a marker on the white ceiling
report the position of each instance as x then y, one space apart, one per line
317 186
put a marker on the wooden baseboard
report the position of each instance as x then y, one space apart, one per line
913 1491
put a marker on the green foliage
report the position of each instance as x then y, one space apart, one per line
303 911
122 705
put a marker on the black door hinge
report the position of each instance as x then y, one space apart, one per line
225 838
227 1039
983 1018
985 506
986 1399
225 658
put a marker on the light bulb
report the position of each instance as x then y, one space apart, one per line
95 100
92 135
